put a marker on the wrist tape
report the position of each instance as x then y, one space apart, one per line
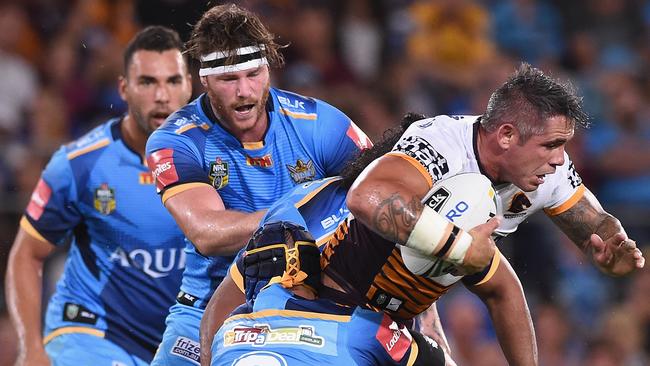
433 235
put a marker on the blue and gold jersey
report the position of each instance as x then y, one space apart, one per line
284 329
126 258
306 139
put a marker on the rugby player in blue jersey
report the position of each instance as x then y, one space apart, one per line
231 153
126 259
285 323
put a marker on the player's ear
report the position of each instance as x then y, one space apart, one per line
204 81
121 88
506 135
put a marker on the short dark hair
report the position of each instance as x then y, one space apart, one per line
354 167
152 38
528 98
229 27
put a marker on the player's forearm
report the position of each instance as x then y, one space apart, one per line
514 328
223 232
224 300
23 287
505 300
431 326
585 218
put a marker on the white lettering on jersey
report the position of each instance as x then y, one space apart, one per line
422 151
157 264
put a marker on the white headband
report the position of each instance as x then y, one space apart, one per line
222 55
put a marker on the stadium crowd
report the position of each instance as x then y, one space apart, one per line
375 60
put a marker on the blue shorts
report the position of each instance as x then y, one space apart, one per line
74 349
180 343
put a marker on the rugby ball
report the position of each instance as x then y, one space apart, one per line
467 200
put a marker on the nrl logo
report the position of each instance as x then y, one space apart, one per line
302 172
71 311
104 199
218 173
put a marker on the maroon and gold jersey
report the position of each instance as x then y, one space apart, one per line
371 271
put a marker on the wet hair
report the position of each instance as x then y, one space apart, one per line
528 99
228 27
390 137
152 38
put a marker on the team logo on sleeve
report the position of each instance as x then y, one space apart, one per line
219 175
302 172
422 151
395 340
104 199
162 168
39 199
358 137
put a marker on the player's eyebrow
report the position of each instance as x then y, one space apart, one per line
556 142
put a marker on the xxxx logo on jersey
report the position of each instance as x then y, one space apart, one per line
219 174
104 199
261 335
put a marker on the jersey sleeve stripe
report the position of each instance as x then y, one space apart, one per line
85 150
416 164
171 192
290 314
311 194
308 116
27 226
185 128
68 330
414 354
237 277
577 195
493 268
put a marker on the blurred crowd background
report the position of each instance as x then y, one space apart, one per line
375 60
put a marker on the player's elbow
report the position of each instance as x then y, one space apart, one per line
358 203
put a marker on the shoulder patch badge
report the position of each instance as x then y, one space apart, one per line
104 199
302 172
219 173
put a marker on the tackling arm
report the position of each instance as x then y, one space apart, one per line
597 232
24 285
224 300
504 298
201 214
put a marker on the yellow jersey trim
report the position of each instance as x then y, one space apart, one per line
253 145
568 203
416 164
68 330
237 278
493 268
414 353
315 192
290 314
27 226
171 192
87 149
308 116
187 127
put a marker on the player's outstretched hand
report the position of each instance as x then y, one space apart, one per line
482 250
616 256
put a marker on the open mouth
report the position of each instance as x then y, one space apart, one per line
244 108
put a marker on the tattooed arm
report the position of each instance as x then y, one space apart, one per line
600 234
386 198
